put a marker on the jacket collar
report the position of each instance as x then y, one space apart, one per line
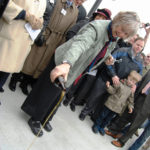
65 1
109 30
131 54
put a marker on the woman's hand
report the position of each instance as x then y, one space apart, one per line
61 70
29 17
36 23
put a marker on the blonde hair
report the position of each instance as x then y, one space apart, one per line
135 76
130 20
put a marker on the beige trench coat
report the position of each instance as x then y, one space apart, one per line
15 43
39 57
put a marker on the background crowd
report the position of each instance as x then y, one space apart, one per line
100 58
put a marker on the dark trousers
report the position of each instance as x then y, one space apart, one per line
74 89
119 123
98 90
3 78
105 117
43 97
52 115
99 107
83 89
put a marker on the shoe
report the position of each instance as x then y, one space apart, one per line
35 127
115 136
48 127
12 85
24 88
1 90
65 102
117 143
102 131
95 129
93 119
72 107
33 82
82 116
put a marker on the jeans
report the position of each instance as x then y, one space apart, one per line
105 117
138 143
144 125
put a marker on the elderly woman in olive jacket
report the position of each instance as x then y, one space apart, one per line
72 58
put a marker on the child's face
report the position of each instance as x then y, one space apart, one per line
130 81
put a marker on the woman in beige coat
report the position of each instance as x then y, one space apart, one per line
15 42
39 57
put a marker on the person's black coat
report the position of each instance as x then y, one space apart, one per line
82 13
74 30
40 104
47 14
143 111
3 4
146 105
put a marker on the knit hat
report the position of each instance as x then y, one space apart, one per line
104 12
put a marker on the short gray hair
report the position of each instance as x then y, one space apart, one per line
130 20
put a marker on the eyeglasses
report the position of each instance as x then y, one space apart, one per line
148 56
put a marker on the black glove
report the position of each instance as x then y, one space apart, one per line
39 41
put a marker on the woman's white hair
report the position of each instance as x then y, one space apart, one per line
128 19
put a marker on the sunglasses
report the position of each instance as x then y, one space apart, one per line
148 56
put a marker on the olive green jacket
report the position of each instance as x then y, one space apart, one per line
83 48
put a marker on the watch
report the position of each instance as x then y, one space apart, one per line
66 62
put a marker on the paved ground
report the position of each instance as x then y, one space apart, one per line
69 133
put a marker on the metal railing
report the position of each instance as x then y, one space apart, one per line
94 7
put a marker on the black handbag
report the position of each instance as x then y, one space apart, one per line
39 41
